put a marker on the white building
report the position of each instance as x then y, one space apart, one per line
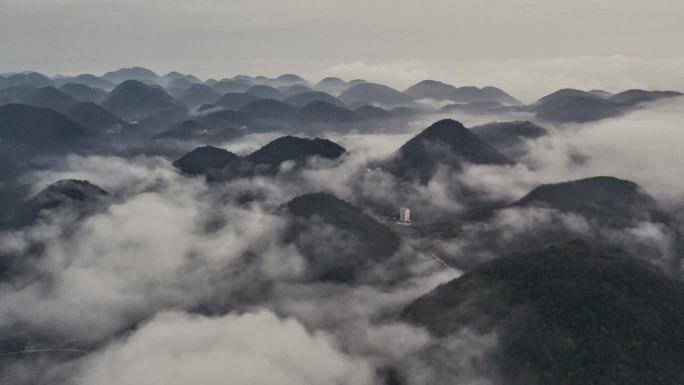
405 215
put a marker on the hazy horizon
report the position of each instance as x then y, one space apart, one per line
526 47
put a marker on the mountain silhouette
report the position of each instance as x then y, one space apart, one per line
432 89
372 93
445 143
133 100
200 160
302 99
290 148
354 244
82 92
573 314
134 73
611 200
37 127
235 101
95 118
49 97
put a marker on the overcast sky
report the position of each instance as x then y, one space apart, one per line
524 46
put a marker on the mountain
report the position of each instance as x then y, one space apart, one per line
95 118
321 112
173 76
478 108
572 314
202 159
581 108
32 79
180 83
14 94
602 94
78 196
226 86
606 199
198 94
89 80
49 97
372 93
8 168
445 143
215 127
133 100
265 92
372 113
295 90
302 99
134 73
225 118
37 127
269 109
566 93
291 79
340 242
235 101
82 92
332 85
634 97
509 137
432 89
290 148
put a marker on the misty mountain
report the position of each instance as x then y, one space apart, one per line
95 118
161 120
571 314
332 85
577 108
321 112
372 113
226 86
265 92
214 128
509 137
82 92
295 90
234 100
302 99
607 199
566 93
432 89
37 127
291 79
79 197
8 168
32 79
372 93
173 76
341 243
634 97
15 94
269 109
133 100
446 143
479 108
290 148
197 95
602 94
88 80
49 97
179 85
200 160
134 73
